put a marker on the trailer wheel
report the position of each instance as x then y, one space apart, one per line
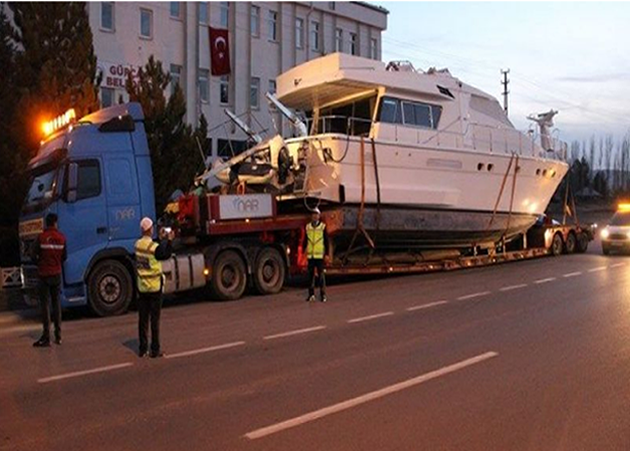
110 288
557 246
269 271
582 242
229 278
571 243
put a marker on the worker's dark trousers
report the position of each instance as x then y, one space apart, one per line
49 288
149 306
316 280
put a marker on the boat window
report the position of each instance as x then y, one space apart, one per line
420 114
436 113
354 118
409 113
423 115
390 111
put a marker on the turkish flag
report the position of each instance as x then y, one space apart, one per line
219 51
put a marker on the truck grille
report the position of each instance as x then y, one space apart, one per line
618 236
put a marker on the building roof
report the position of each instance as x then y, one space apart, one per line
378 8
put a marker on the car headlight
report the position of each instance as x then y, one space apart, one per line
605 233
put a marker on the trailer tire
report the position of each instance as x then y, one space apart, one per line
269 271
582 242
571 244
557 245
229 277
110 288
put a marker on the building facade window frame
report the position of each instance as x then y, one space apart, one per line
177 72
175 10
224 14
315 36
146 28
204 85
108 96
254 93
354 44
338 40
254 21
374 48
299 33
272 25
272 87
224 90
112 17
203 13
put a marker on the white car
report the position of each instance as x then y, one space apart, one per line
616 235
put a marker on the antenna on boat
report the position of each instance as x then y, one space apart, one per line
292 117
545 122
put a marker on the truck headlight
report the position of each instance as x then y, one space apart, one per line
605 234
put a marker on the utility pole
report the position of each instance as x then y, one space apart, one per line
505 82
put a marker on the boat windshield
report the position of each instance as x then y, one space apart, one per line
351 118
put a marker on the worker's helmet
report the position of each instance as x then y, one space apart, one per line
146 224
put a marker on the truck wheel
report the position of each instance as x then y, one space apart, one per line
557 246
269 271
582 242
571 243
229 278
605 249
110 288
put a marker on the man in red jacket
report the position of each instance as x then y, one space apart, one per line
49 252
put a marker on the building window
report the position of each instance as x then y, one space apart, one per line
146 23
272 87
299 33
176 77
107 16
224 91
203 13
338 40
204 87
107 97
254 93
176 10
254 21
272 26
331 5
314 36
374 48
225 14
354 44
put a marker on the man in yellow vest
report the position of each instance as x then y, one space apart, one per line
316 247
150 284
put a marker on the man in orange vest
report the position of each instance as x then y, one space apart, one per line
316 247
49 252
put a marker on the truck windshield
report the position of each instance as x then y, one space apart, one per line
42 187
621 219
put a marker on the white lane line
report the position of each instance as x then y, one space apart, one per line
204 350
367 318
573 274
617 265
599 268
423 306
513 287
294 332
548 279
367 397
102 369
474 295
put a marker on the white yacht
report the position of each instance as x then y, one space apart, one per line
414 159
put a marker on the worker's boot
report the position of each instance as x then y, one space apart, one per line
323 298
43 342
310 298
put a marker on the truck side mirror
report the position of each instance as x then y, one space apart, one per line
71 183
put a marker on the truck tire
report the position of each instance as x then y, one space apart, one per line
605 249
229 278
571 244
557 246
582 242
110 288
269 271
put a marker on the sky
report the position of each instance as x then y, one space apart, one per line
573 57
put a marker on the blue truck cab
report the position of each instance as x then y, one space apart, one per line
95 174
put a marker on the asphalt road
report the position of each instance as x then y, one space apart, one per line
530 356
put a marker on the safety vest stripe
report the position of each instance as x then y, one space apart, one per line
55 247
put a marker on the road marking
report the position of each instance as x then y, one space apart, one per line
294 332
423 306
84 373
573 274
599 268
548 279
513 287
204 350
367 397
367 318
617 265
474 295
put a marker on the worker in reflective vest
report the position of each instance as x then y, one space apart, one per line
49 253
150 284
316 247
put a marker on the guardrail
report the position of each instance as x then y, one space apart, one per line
11 277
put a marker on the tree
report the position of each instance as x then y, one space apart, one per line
174 156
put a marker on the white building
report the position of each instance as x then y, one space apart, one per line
265 39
